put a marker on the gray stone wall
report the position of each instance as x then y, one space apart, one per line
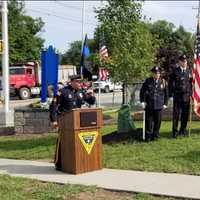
32 120
166 115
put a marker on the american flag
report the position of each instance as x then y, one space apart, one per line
103 74
103 52
196 73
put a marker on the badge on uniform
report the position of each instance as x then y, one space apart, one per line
69 96
81 95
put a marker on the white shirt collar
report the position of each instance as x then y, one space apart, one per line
183 69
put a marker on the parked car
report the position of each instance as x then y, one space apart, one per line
106 86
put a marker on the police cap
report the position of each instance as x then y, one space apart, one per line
156 69
75 77
182 57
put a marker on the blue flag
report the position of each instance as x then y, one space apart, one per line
85 72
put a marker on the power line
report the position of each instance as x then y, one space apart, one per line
68 6
73 7
60 17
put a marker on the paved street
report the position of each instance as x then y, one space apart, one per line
106 100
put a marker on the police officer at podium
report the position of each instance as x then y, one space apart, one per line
154 98
180 88
69 97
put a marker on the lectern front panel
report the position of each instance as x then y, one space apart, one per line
88 119
81 145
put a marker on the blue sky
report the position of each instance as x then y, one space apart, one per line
63 18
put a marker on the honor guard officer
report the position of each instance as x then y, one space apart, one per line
153 97
180 88
68 98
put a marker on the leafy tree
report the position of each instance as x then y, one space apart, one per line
171 41
128 40
73 55
130 43
24 44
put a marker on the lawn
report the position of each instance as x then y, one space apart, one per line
180 155
14 188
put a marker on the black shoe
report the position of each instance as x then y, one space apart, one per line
147 138
183 133
58 168
156 136
152 137
174 134
180 133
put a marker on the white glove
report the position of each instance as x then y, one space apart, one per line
164 106
143 104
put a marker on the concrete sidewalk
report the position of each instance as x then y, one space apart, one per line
177 185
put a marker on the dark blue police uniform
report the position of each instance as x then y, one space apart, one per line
180 88
155 94
68 99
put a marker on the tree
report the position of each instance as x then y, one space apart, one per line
171 42
73 55
24 44
128 39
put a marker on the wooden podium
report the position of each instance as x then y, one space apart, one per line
81 143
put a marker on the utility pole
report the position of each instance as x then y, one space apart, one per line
5 61
83 24
195 8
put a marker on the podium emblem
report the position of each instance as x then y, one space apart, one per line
88 139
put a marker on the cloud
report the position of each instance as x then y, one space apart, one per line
177 12
63 18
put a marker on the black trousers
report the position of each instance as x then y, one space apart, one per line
180 111
152 123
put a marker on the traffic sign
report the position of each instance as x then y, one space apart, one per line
1 46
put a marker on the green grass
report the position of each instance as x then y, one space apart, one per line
15 188
32 147
180 155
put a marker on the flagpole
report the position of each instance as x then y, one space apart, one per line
83 33
5 60
190 124
99 89
199 10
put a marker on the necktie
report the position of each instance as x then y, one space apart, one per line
156 83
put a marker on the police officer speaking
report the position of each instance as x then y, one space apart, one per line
180 88
68 98
153 97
